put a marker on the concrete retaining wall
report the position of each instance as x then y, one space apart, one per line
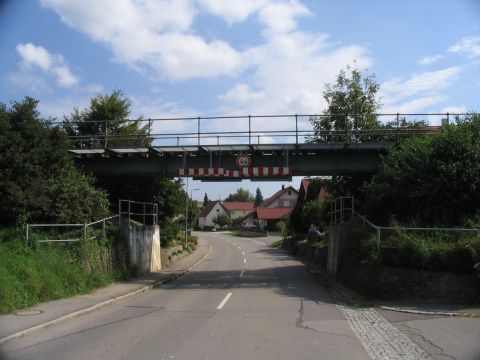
144 247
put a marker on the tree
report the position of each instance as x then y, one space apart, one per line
222 220
205 200
115 108
352 105
430 181
107 117
38 180
258 197
241 195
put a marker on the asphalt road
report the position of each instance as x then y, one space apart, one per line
245 301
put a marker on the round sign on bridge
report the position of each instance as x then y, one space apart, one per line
243 161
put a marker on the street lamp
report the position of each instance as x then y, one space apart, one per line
186 213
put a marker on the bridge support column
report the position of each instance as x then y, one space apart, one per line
144 247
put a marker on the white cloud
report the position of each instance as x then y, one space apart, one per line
33 56
233 11
427 82
241 93
290 71
280 16
150 34
454 110
403 106
430 59
469 45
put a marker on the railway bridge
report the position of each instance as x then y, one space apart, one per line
274 147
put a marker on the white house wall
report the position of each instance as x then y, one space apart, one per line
285 200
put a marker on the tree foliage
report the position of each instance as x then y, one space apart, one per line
107 116
352 105
222 220
241 195
205 200
432 180
258 197
37 176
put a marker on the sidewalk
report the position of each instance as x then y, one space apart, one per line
53 312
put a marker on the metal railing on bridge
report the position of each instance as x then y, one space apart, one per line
259 129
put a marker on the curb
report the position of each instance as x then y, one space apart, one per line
102 304
424 312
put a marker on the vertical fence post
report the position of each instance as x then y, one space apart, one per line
26 233
249 128
105 140
129 207
296 129
143 214
85 231
149 132
119 212
198 131
398 128
448 118
104 225
378 239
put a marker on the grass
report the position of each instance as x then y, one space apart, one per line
29 276
277 244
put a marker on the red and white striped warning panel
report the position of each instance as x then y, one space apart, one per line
245 172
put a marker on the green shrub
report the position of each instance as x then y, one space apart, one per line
30 275
436 251
281 227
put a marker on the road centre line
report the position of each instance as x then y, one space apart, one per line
244 261
224 301
239 248
243 252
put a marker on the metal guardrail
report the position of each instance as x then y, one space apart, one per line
348 212
293 129
83 228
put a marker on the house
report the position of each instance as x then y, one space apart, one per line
275 208
210 213
238 209
303 192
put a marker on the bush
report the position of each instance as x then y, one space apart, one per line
52 271
434 251
38 181
281 227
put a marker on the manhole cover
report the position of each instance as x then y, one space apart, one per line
28 312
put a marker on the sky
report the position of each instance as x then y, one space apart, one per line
190 58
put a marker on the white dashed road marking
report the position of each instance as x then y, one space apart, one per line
224 301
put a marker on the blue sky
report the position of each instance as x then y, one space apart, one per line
220 57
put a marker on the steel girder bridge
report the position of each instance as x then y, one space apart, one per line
274 147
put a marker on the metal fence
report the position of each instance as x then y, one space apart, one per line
138 211
342 212
264 129
127 209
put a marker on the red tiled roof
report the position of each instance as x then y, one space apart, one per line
276 196
273 213
238 205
